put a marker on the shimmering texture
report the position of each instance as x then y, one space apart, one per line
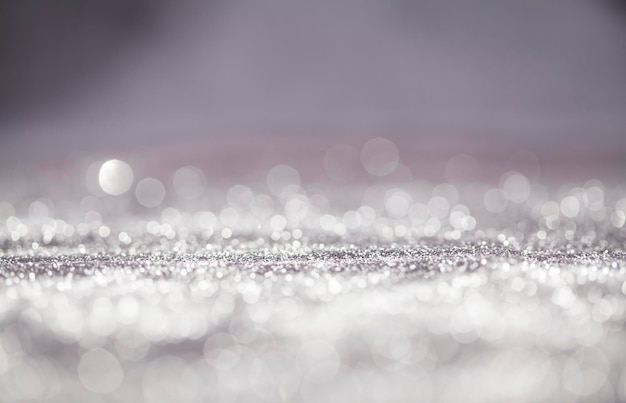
291 291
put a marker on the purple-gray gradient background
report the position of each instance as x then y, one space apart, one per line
230 78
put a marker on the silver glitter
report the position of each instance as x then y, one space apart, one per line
292 291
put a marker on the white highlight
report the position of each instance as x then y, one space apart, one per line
115 177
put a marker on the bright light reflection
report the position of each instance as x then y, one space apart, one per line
115 177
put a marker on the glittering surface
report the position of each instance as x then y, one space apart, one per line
139 288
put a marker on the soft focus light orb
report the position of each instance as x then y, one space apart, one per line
150 192
594 198
99 371
240 195
38 209
495 200
280 177
618 219
296 207
586 371
438 206
189 182
397 202
115 177
516 187
570 206
380 156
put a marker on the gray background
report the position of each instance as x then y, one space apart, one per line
103 77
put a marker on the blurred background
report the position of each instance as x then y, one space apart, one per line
241 81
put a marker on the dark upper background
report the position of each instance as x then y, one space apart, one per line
108 76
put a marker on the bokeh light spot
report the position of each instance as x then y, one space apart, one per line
99 371
189 182
115 177
380 156
150 192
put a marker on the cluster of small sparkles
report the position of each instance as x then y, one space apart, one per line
163 289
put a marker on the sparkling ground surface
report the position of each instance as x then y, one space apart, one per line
286 291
